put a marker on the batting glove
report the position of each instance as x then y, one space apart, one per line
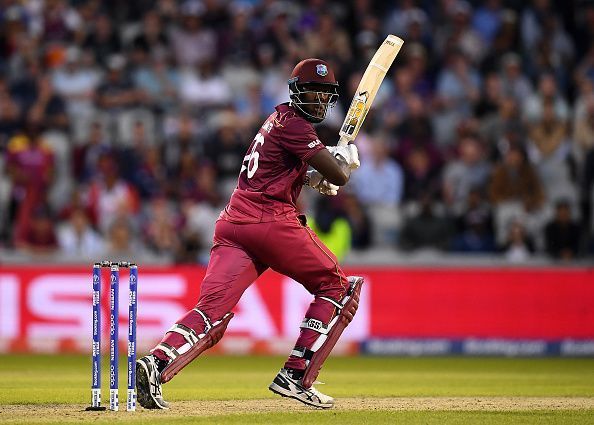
348 154
316 180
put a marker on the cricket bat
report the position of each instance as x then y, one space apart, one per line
368 87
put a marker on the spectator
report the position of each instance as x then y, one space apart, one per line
108 196
86 155
416 132
153 40
225 149
331 227
514 189
399 19
515 83
191 42
238 44
198 182
533 23
554 52
60 22
549 151
190 249
159 82
514 179
505 42
418 66
38 236
547 95
503 125
122 245
249 106
486 21
584 31
426 229
461 175
583 132
458 87
151 177
418 33
395 108
182 141
161 227
548 135
587 198
562 234
461 34
475 225
103 41
118 93
385 173
202 88
359 221
327 40
279 34
518 246
76 82
585 69
142 166
24 87
30 165
77 239
490 97
9 114
48 109
419 176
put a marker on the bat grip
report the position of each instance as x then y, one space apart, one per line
343 141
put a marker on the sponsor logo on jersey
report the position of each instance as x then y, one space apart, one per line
322 70
314 144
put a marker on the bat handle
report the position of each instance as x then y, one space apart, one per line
343 141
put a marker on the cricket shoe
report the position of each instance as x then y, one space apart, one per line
148 385
287 384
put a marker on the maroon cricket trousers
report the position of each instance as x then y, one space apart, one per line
242 252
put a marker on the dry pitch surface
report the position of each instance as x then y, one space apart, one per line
225 407
348 410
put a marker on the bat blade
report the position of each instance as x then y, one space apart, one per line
368 87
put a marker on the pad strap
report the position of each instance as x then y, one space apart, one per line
188 333
302 352
315 325
207 323
171 352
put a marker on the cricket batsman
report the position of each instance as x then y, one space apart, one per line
260 228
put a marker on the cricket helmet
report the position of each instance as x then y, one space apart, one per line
313 88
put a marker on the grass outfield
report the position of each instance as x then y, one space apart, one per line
233 390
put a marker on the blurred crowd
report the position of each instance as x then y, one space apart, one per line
123 125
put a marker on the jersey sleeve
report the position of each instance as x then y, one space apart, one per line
300 139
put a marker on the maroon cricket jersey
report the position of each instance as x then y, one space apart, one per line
273 169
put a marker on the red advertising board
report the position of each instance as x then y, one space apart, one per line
49 308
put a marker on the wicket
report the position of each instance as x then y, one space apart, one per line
113 335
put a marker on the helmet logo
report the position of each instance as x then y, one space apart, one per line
321 70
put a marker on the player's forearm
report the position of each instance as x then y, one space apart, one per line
330 167
338 175
346 170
